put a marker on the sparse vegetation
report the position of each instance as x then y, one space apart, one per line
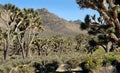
23 50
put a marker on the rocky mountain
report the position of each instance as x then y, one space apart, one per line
55 25
76 21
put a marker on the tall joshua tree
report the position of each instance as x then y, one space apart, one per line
30 27
107 27
7 17
18 23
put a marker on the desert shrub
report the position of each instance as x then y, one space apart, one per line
92 63
73 62
109 59
16 66
82 42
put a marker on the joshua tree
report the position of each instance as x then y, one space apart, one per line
82 42
30 28
7 17
107 27
19 24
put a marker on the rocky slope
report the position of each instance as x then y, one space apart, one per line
55 25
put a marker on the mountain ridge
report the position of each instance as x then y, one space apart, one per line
57 25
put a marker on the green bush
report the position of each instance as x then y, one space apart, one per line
92 63
109 59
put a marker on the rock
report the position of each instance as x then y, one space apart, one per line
63 68
67 68
109 69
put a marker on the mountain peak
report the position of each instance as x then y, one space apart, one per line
43 10
55 25
76 21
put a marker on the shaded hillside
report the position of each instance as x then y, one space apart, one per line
55 25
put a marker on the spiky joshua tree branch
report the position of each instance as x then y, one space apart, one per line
107 27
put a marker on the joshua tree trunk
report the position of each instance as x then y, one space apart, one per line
38 47
28 52
7 45
23 52
21 46
30 39
107 48
5 51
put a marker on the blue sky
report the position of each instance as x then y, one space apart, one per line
67 9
